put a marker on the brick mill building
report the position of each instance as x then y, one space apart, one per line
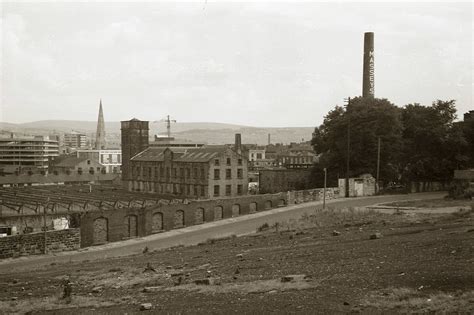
208 172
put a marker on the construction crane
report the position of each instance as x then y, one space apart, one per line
168 124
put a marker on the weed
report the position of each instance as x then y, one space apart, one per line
263 227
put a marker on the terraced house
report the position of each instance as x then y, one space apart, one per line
208 172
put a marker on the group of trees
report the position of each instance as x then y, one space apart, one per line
418 143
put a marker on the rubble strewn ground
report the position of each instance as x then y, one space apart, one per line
417 263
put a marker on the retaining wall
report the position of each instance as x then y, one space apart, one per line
114 225
33 243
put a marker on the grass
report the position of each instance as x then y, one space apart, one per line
342 217
433 203
259 286
408 300
51 303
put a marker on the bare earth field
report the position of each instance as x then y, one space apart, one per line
422 263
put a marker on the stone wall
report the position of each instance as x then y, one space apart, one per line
32 244
34 223
301 196
115 225
416 187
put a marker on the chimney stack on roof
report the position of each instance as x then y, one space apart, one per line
238 143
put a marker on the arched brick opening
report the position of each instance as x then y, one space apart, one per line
157 222
253 207
268 204
179 219
101 231
281 203
218 213
235 210
199 216
131 226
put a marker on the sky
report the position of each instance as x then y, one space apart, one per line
251 63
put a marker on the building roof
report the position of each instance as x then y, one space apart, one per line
70 162
204 154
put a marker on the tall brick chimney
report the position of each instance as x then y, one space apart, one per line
368 77
238 143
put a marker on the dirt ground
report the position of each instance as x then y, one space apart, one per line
417 263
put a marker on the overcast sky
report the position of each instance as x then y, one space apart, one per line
257 64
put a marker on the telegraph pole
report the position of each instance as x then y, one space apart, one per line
348 146
45 251
378 166
324 191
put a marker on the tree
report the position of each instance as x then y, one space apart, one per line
367 119
434 145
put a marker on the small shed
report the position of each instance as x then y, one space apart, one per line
363 185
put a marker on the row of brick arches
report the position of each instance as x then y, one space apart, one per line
101 227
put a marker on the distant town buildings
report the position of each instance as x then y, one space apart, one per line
195 172
75 140
110 160
28 154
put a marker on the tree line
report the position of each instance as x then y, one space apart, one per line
418 143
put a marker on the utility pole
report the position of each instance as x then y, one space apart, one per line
348 146
324 191
378 166
45 251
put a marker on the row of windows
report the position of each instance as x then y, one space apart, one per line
156 172
182 189
228 162
228 173
228 190
183 172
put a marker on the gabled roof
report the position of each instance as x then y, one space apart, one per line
70 162
204 154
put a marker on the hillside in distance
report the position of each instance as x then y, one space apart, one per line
204 132
249 135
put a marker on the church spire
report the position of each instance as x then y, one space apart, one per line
100 134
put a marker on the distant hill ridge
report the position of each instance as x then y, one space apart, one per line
206 132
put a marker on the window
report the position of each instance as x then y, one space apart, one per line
216 190
228 189
240 173
217 174
188 189
239 162
156 171
216 162
239 189
259 156
174 172
196 192
202 174
228 161
162 171
195 171
203 190
181 172
228 173
188 173
149 172
88 162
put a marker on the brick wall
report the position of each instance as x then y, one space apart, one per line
146 221
32 244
